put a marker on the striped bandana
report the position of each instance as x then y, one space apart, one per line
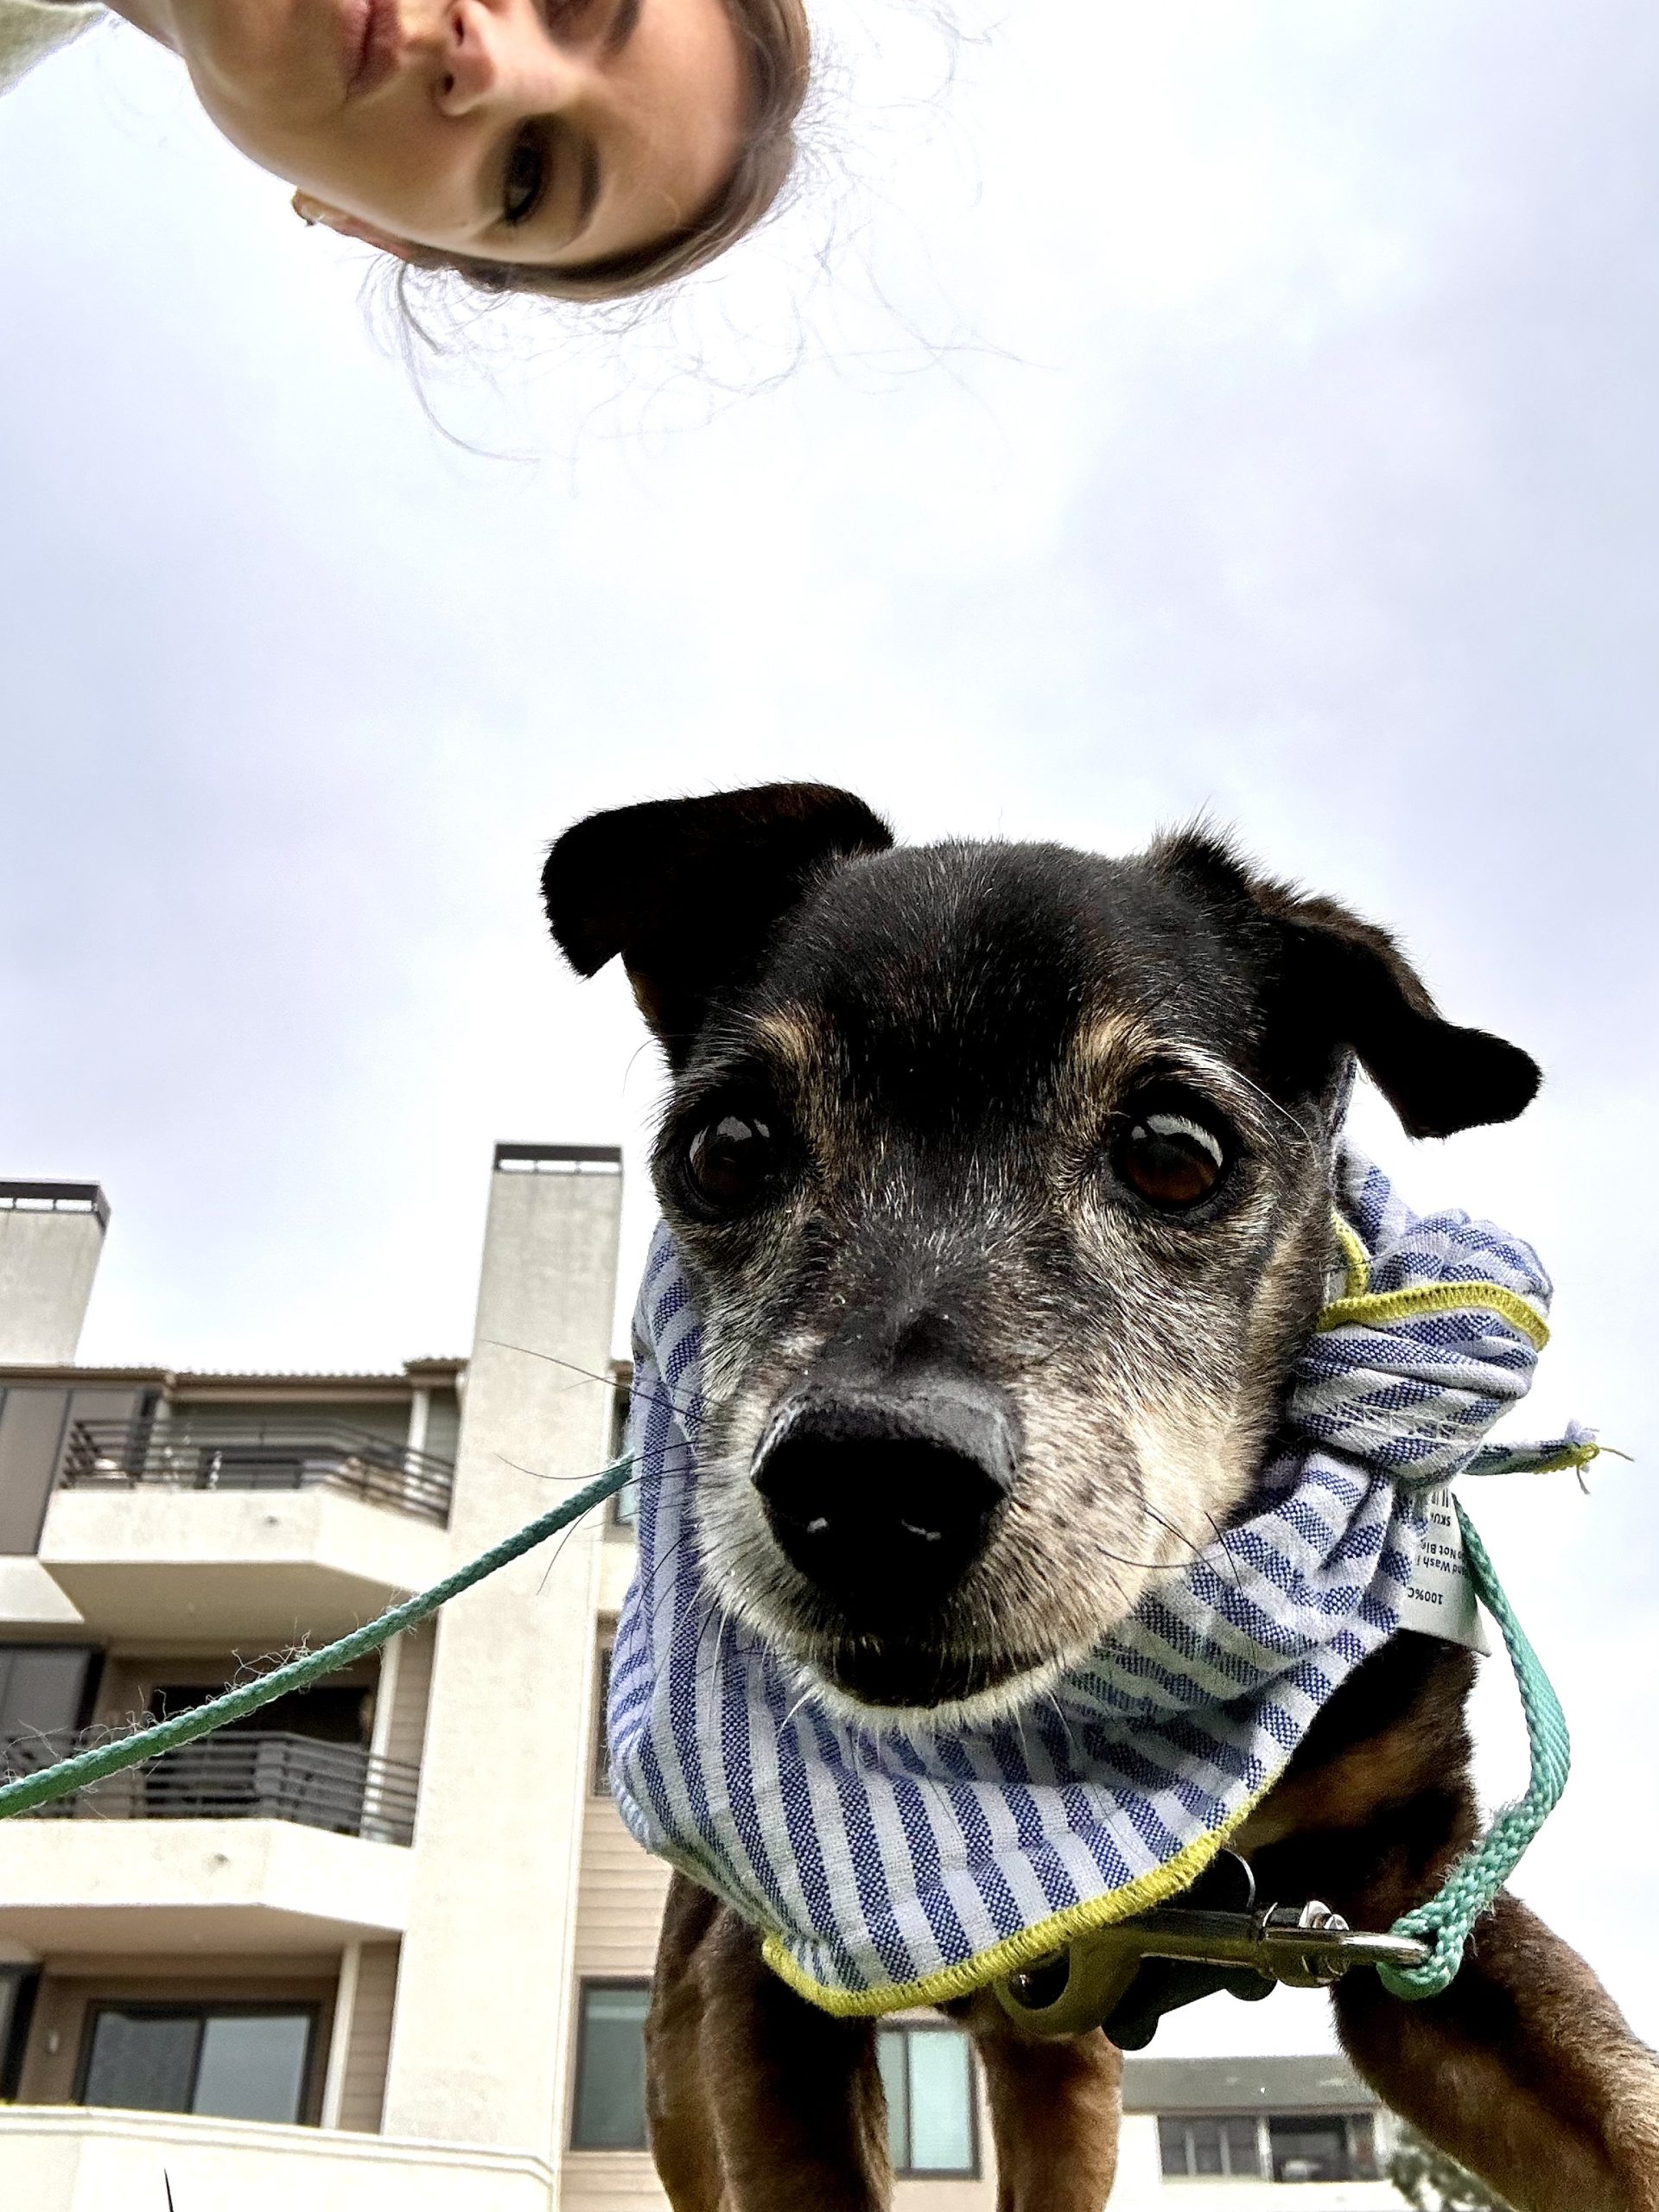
889 1866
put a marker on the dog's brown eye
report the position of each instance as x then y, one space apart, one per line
1170 1159
730 1159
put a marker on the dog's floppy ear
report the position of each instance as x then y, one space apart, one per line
1340 981
686 890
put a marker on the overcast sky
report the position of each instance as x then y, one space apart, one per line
1147 409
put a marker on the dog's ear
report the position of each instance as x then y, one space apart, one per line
1341 982
687 890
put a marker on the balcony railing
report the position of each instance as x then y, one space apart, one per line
287 1454
237 1775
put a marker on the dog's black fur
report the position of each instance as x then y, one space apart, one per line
1002 1174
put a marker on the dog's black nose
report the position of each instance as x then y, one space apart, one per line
884 1500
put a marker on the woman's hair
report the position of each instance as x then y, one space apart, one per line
775 35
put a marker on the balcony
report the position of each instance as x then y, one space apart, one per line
253 1532
239 1775
277 1455
211 1884
60 2159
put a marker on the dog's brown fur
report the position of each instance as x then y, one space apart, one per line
1524 2070
970 1230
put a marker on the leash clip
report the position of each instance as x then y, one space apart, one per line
1125 1977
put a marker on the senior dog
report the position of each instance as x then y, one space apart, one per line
1003 1176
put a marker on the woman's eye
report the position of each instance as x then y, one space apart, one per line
1170 1159
729 1160
526 177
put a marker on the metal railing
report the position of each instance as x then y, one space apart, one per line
237 1775
55 1198
291 1453
559 1159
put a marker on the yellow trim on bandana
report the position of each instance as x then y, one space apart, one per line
1359 1307
1356 1260
1013 1952
1379 1309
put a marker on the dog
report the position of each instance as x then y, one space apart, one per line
1002 1176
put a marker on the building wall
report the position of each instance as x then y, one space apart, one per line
32 1417
522 1880
479 2040
57 2161
621 1890
47 1260
362 2089
405 1731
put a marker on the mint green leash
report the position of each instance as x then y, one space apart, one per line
1446 1920
1444 1923
33 1790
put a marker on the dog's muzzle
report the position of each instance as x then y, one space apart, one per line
883 1499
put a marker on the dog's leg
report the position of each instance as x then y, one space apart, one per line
1524 2070
759 2102
1055 2107
680 2116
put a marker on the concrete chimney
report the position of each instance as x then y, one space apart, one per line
51 1234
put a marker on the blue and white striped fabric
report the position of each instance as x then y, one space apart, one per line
889 1866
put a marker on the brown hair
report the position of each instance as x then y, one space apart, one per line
776 37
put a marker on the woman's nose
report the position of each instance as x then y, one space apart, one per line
487 58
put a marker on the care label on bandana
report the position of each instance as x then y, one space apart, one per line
1441 1600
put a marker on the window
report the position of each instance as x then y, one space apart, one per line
610 2112
1312 2147
1291 2147
927 2073
1206 2146
240 2062
624 1503
44 1689
19 1987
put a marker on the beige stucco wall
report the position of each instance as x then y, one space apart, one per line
47 1261
172 1887
260 1568
480 2030
54 2159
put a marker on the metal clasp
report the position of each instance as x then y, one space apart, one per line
1233 1945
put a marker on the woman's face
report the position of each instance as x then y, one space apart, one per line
552 131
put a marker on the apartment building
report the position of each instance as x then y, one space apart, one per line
385 1947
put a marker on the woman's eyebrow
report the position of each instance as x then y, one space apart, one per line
622 25
588 187
590 178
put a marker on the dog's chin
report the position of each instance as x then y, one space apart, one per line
878 1686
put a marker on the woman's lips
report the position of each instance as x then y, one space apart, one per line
373 41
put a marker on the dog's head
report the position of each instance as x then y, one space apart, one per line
1002 1173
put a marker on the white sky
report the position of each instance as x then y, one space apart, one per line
1221 405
